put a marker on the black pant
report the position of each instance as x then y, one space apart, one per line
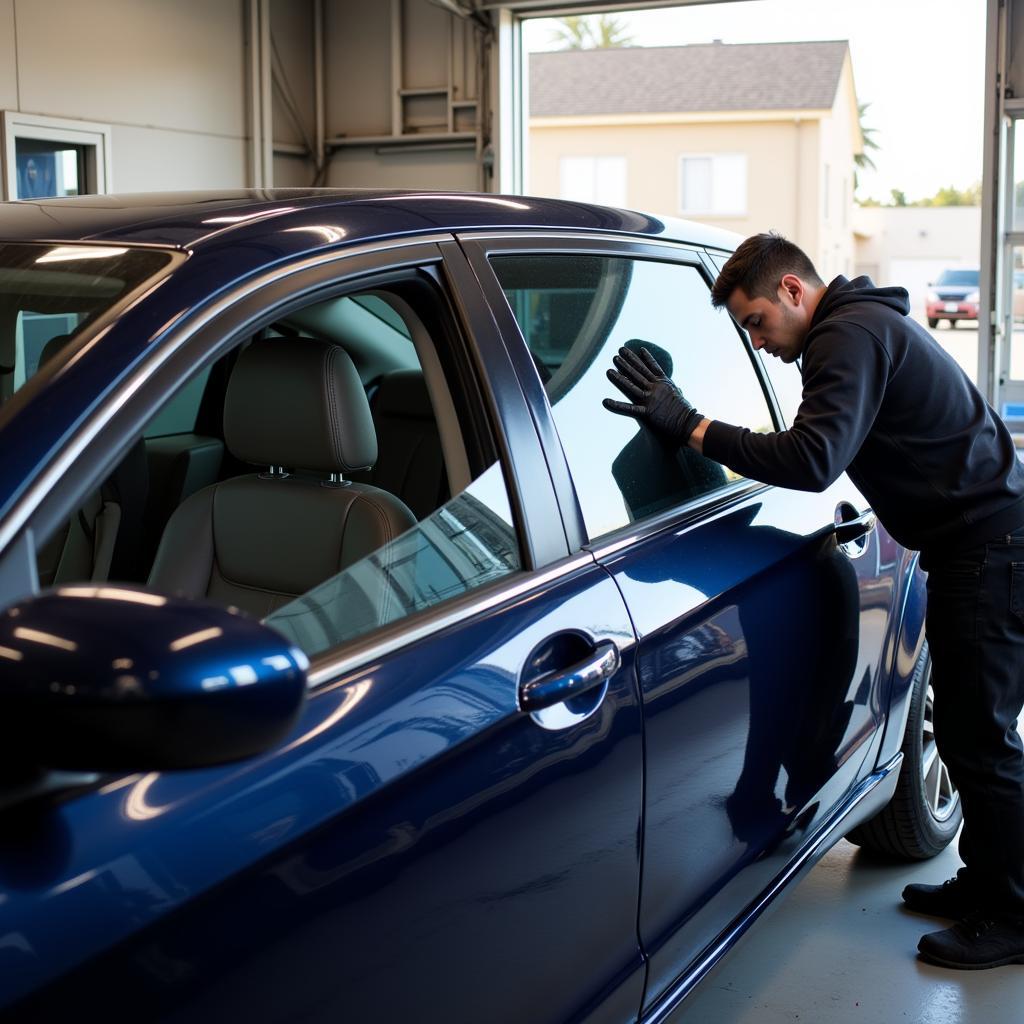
975 628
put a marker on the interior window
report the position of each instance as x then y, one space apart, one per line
236 492
575 312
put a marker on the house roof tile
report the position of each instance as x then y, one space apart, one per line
678 79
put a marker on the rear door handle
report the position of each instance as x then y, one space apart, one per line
854 529
564 684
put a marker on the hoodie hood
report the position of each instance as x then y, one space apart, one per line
842 292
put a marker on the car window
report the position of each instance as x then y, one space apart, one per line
968 278
48 293
574 313
469 541
279 533
179 415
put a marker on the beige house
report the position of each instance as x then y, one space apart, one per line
745 137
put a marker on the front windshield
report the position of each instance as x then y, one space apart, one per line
51 293
961 277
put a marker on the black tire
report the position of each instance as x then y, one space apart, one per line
924 813
933 321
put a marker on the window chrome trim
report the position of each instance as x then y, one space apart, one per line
176 336
605 242
330 668
680 516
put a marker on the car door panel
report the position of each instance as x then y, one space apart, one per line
414 817
760 655
763 645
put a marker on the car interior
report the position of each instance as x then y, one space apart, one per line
310 445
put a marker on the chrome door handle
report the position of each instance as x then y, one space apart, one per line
564 684
854 529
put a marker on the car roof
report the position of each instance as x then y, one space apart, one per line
318 217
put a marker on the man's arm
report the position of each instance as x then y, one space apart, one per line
845 376
696 441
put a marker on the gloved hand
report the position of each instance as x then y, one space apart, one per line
654 399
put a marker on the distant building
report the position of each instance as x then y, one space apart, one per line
911 245
745 137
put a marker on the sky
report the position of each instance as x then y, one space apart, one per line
920 64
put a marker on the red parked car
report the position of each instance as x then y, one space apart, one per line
954 296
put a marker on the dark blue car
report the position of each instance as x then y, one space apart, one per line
357 665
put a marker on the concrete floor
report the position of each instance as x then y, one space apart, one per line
839 949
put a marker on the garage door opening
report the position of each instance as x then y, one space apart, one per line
781 114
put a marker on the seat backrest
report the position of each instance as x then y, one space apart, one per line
296 406
410 461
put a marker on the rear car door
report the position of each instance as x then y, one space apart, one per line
452 829
762 641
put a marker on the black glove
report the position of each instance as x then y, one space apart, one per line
654 399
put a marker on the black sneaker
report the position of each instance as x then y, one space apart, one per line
976 943
951 899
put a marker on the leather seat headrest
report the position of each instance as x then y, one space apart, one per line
52 347
403 393
299 403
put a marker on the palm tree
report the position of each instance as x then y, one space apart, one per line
591 32
861 159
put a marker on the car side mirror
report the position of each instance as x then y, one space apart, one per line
115 678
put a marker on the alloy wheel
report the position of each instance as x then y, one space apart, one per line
940 794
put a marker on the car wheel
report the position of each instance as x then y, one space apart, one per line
933 321
924 813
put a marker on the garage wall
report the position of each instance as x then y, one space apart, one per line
358 91
168 77
171 78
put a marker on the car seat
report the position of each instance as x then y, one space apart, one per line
297 407
410 462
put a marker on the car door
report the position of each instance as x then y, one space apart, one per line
452 829
762 641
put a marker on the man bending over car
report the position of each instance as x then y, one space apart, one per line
883 403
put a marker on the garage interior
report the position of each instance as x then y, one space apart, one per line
431 94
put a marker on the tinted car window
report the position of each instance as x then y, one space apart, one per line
466 543
52 291
575 312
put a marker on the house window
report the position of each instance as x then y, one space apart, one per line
593 179
50 156
714 184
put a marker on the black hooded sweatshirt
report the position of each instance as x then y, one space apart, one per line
882 401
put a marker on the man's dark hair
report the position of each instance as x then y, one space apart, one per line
758 265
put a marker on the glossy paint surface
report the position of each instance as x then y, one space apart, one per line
761 658
103 677
413 817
